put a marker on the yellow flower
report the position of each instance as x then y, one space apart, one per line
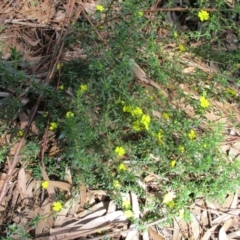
53 126
100 8
116 184
137 112
136 125
59 65
126 205
120 151
168 197
181 213
203 15
165 116
69 114
145 120
45 184
171 204
127 108
57 206
175 34
192 134
20 133
128 214
83 88
181 149
122 167
61 87
204 102
204 145
181 48
173 163
140 14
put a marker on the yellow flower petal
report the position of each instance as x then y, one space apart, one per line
53 126
168 197
171 204
145 120
59 65
181 149
69 114
126 205
122 167
136 125
100 8
137 112
20 133
203 15
181 48
192 134
128 214
45 184
173 163
83 88
166 116
204 102
57 206
127 108
181 213
116 184
120 151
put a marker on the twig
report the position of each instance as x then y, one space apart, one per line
19 147
88 19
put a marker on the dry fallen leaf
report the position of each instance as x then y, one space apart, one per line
154 235
21 184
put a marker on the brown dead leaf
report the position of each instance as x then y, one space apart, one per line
92 209
21 184
133 235
111 207
222 232
92 226
177 234
135 205
2 179
61 185
195 227
208 233
83 195
33 186
234 235
145 235
68 176
154 235
189 70
61 216
47 219
226 216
